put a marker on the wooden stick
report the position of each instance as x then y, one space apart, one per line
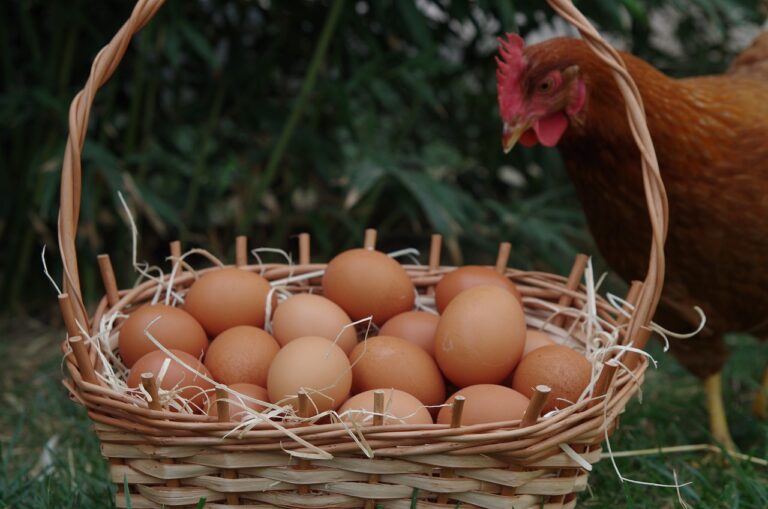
108 278
222 409
83 361
502 259
533 411
633 294
222 406
378 420
241 251
435 246
304 246
176 256
457 409
574 278
65 304
149 382
378 407
369 240
603 381
303 411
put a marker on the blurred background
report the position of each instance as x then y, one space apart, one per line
235 117
271 118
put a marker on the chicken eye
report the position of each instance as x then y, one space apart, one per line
546 85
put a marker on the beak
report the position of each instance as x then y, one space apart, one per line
511 134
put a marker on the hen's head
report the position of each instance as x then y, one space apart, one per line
539 92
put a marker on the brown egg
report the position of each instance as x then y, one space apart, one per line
312 315
193 388
241 354
387 362
416 327
467 277
175 329
314 364
368 283
536 339
480 336
486 403
237 405
225 298
563 369
399 408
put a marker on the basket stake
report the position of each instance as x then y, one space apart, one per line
530 417
533 411
241 251
369 240
303 412
176 256
435 245
574 278
304 246
378 420
502 259
222 409
83 360
222 406
601 389
149 382
633 296
108 278
457 409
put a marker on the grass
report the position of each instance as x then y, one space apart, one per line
50 459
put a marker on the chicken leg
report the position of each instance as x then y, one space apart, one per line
718 422
760 405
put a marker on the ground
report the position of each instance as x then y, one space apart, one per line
50 459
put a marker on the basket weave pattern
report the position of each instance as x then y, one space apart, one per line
174 459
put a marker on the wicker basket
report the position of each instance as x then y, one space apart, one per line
175 459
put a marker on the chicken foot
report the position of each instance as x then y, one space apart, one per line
718 422
760 405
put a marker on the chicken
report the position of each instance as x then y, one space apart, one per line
711 139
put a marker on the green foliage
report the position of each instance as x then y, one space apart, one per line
399 130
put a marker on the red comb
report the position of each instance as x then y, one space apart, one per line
510 65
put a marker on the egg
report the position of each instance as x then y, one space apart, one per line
313 315
176 377
417 327
469 276
241 354
563 369
388 362
536 339
314 364
399 408
366 283
174 329
486 403
480 336
225 298
238 405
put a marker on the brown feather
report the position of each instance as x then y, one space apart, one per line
711 138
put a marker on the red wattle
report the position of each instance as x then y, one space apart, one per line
550 128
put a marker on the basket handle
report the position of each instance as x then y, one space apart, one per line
110 56
655 194
102 68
